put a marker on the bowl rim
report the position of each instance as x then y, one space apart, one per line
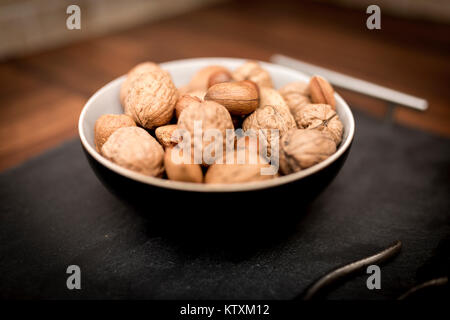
206 188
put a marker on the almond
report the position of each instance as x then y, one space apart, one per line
219 77
321 91
240 97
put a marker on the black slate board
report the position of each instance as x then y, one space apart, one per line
395 185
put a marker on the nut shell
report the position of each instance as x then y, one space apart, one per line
219 77
151 99
321 91
135 149
183 102
271 97
107 124
272 113
296 95
181 171
270 118
200 80
301 149
141 68
252 70
212 116
237 173
321 117
164 135
240 97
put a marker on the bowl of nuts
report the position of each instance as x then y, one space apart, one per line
216 131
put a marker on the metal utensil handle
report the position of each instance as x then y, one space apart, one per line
354 84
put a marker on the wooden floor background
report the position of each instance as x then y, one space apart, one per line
41 95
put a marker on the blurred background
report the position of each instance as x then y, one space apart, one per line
48 72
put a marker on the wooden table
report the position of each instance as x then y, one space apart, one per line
42 95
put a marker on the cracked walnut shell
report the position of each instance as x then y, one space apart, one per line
151 99
252 70
135 149
321 117
301 149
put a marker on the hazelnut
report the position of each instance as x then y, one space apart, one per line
151 98
252 70
321 117
141 68
321 91
200 80
240 97
107 124
296 95
187 172
164 135
135 149
301 149
219 77
237 172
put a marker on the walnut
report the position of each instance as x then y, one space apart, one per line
107 124
272 113
187 172
252 70
296 95
321 117
238 171
141 68
135 149
200 80
164 135
209 115
301 149
271 97
151 98
268 117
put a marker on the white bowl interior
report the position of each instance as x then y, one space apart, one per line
106 101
